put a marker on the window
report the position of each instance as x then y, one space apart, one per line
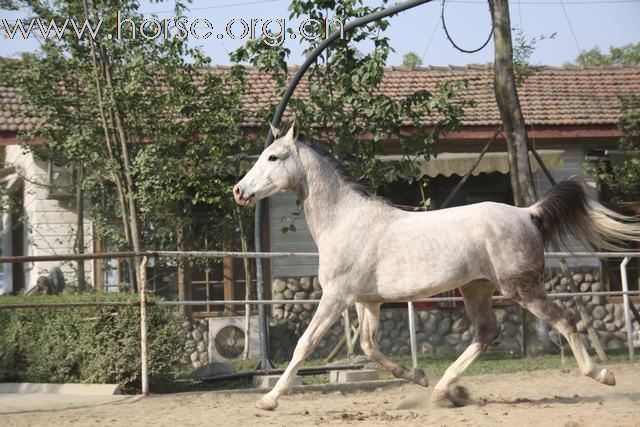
495 187
219 278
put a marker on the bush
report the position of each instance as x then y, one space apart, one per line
86 344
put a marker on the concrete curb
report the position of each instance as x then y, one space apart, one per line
72 389
324 388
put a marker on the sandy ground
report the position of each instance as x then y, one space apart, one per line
539 398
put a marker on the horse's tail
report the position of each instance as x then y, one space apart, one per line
568 210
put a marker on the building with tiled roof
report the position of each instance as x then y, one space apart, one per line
552 98
570 113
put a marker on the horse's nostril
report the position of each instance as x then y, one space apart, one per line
237 190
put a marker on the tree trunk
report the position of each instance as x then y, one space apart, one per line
509 106
80 225
184 287
99 73
126 164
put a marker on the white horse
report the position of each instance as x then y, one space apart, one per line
371 252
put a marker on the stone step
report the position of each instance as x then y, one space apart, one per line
353 376
268 381
72 389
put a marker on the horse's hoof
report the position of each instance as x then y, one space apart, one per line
266 403
401 372
419 377
459 395
440 397
455 395
606 377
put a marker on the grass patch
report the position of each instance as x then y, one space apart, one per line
493 362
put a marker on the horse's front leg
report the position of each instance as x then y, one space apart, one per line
329 309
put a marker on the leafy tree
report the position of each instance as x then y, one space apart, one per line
8 4
411 59
345 108
628 54
147 121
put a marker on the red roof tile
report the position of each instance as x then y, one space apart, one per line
551 96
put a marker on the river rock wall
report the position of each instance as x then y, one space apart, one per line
447 330
196 342
607 318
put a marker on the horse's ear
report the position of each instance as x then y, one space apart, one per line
292 133
274 130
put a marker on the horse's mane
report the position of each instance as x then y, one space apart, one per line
327 156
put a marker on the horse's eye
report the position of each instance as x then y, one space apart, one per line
273 158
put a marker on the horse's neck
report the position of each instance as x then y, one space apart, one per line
323 193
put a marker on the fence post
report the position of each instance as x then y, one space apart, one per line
350 344
143 327
625 297
412 335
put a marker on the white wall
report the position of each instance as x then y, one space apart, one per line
50 225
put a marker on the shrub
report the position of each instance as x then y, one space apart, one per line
86 344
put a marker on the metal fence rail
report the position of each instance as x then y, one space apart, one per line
156 254
257 255
15 306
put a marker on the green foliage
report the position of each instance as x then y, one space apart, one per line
180 119
86 344
345 108
628 54
8 5
411 59
622 181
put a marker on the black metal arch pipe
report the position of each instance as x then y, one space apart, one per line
397 8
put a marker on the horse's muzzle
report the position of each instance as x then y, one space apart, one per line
241 198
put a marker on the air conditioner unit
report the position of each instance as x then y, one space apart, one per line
226 338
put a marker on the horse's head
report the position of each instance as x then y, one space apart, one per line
277 169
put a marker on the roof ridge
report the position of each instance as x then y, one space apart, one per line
468 67
431 67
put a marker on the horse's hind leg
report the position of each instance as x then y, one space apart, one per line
369 315
477 301
534 299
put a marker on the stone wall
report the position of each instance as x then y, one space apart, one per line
288 321
438 330
196 342
446 330
606 318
